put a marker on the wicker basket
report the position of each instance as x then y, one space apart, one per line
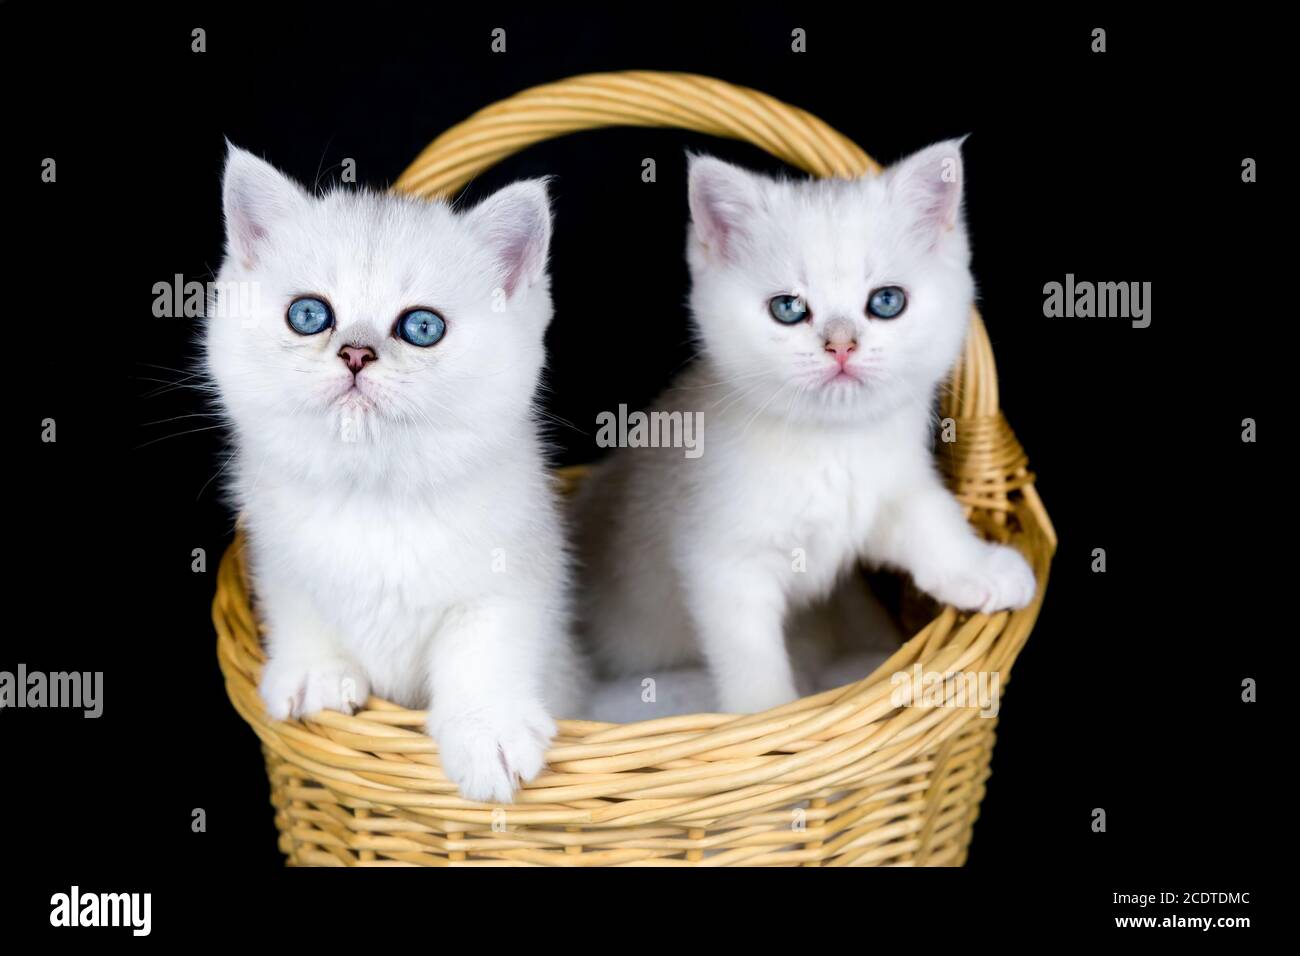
841 778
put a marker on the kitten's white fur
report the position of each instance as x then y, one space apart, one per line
404 537
687 556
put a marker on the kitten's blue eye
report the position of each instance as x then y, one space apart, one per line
307 316
887 302
788 309
421 327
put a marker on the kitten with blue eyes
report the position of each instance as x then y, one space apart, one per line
403 532
828 313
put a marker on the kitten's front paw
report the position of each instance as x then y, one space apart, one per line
999 578
296 688
489 752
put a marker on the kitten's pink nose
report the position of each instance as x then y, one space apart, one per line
841 349
357 356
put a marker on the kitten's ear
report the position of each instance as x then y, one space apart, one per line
255 195
929 183
724 199
516 224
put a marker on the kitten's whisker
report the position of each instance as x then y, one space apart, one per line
739 393
753 418
191 431
174 418
188 373
215 475
725 381
562 422
785 431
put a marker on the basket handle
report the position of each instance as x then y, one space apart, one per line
985 464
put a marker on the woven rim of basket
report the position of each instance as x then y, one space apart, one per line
694 770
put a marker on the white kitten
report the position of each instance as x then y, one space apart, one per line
402 527
817 412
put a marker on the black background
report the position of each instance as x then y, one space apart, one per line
1122 166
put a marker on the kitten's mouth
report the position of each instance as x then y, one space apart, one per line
355 396
843 375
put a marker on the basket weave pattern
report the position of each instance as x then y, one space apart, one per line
841 778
